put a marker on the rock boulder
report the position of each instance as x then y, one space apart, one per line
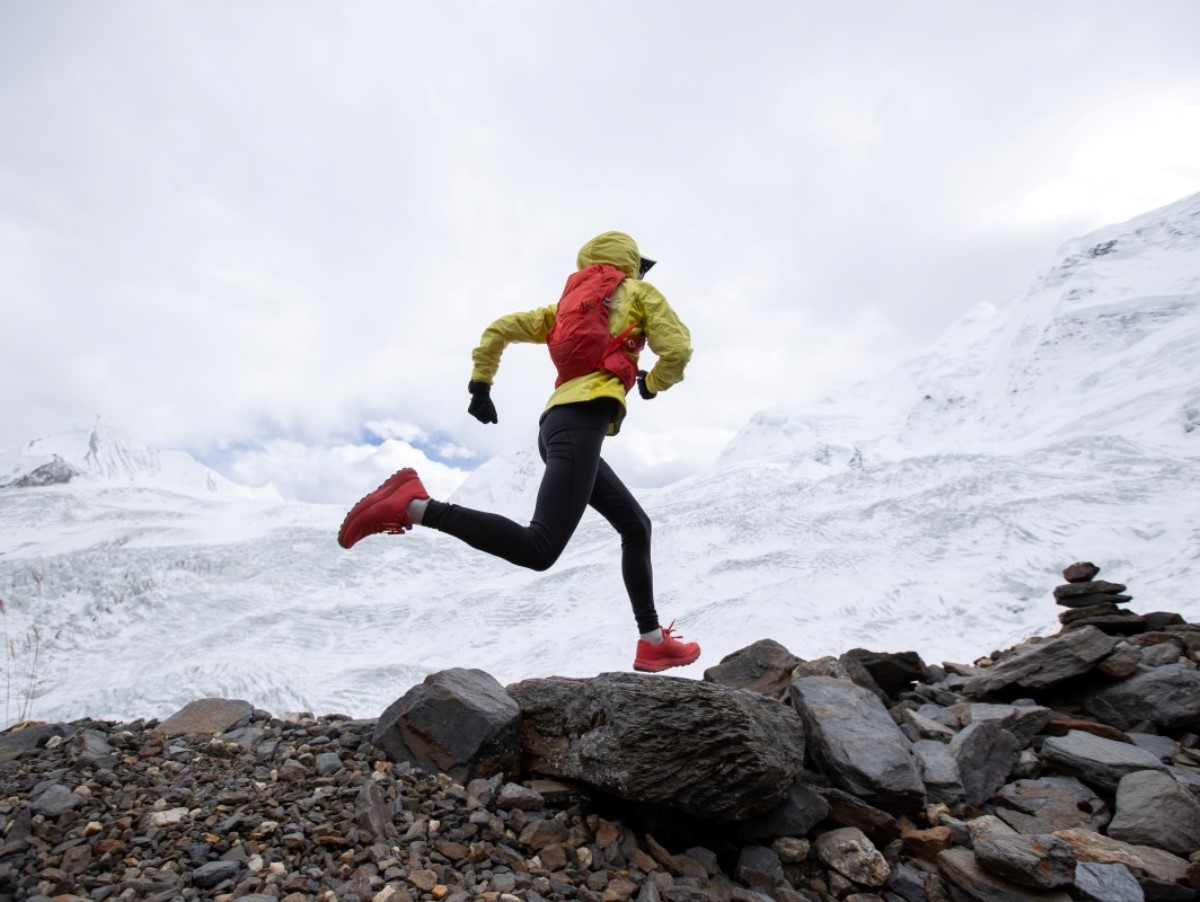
704 749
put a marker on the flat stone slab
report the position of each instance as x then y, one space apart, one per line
207 715
959 868
1091 846
1073 590
1050 803
1045 663
1096 761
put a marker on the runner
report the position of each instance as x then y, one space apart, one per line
607 314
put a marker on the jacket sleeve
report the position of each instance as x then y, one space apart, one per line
530 326
667 337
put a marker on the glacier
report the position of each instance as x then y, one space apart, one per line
930 510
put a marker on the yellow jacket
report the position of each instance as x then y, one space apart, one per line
637 302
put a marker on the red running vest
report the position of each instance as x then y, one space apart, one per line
579 340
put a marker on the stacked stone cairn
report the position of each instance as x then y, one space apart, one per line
1093 602
1065 768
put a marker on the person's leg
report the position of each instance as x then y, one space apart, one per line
658 649
569 441
616 504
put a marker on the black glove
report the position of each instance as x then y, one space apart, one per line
481 406
642 390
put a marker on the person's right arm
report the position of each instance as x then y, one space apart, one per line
667 337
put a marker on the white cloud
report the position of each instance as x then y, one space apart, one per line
451 451
397 429
338 473
1137 151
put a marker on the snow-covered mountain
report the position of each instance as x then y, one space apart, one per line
103 455
1106 342
930 510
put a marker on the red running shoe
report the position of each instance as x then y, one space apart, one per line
670 652
384 510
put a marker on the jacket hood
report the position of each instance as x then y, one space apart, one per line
614 248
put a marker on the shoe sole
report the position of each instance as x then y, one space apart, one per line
390 486
667 665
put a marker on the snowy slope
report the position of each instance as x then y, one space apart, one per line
931 510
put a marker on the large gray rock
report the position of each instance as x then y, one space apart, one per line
1023 721
21 740
986 754
796 815
1050 803
847 810
1123 663
906 884
707 750
891 671
853 739
842 668
939 771
1040 861
764 667
1154 810
459 722
960 869
1168 697
759 867
1107 883
1097 761
54 800
91 748
1044 663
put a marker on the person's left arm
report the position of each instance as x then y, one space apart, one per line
530 326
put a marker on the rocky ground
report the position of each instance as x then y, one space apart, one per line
1067 768
298 808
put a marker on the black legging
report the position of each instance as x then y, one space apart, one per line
576 476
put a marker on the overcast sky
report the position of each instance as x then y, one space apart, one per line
270 233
